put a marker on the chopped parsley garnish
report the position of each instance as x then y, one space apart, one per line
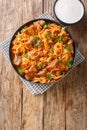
23 30
28 57
42 65
35 37
51 57
56 40
51 49
50 76
67 47
69 63
63 72
25 52
63 28
46 25
20 71
38 43
62 38
47 34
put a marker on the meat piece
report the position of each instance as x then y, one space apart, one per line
36 55
33 57
29 74
53 63
70 43
42 72
17 60
54 70
40 53
31 69
35 24
31 41
41 22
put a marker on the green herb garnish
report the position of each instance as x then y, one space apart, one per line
50 76
51 58
25 52
28 57
23 30
69 63
35 37
47 34
67 47
56 40
63 72
46 25
51 49
62 38
38 43
42 65
63 28
20 71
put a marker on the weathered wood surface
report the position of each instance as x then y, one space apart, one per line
62 107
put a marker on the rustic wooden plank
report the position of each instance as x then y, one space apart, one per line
54 108
32 113
54 98
48 6
32 117
76 103
10 85
76 90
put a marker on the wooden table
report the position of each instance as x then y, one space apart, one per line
62 107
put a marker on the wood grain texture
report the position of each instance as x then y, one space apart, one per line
10 85
76 92
32 114
62 107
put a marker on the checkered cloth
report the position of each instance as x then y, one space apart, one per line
37 88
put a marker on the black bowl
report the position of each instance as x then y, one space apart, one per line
65 23
27 24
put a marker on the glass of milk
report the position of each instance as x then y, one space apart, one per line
69 11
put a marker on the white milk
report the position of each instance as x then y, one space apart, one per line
69 11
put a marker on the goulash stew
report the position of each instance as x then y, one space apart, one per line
42 52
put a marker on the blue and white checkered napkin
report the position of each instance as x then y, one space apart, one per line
36 88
